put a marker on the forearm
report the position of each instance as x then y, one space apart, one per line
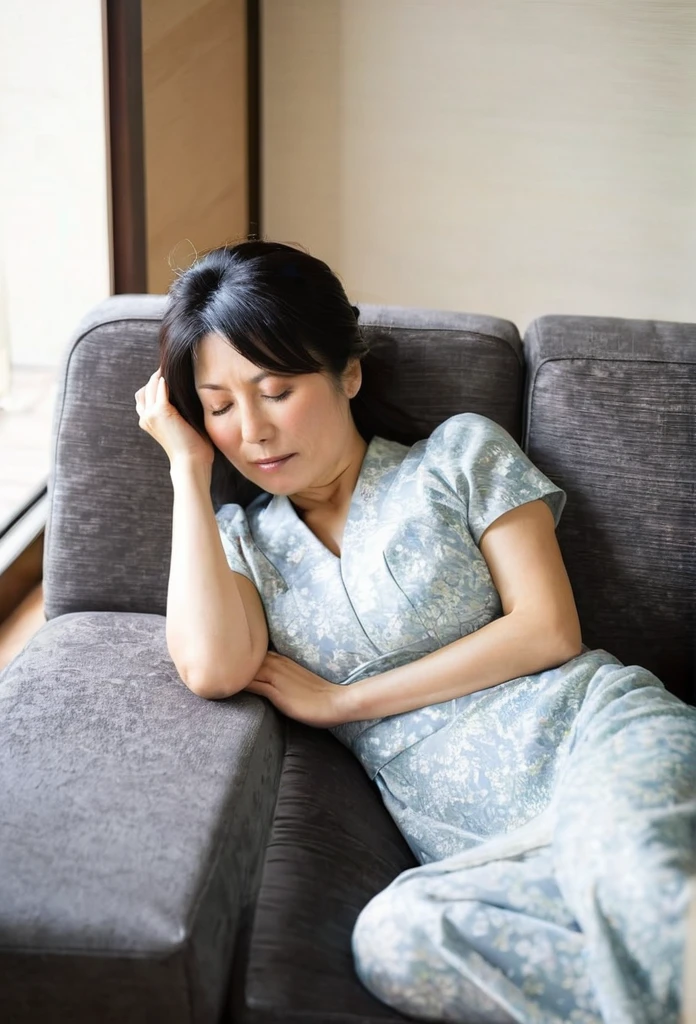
208 634
509 647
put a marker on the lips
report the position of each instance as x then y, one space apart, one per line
274 463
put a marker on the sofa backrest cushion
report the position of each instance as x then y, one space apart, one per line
108 537
611 418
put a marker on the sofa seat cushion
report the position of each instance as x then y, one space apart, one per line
332 848
133 819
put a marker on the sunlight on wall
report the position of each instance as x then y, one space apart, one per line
513 157
53 172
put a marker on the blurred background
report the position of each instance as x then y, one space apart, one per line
509 157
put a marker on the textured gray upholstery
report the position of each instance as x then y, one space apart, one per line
443 363
108 537
108 542
134 816
137 812
331 850
611 417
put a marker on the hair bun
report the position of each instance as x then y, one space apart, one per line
356 311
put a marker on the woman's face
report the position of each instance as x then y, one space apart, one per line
285 433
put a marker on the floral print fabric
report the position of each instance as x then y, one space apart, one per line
553 815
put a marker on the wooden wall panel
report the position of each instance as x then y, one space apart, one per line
195 116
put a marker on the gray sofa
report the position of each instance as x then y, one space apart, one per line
163 858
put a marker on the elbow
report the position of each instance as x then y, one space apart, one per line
212 675
207 687
551 640
213 685
214 670
567 643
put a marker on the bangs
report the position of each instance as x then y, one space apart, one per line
272 339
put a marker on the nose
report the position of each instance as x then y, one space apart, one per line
254 425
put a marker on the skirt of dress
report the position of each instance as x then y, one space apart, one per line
557 845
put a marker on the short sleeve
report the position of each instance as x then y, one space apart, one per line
235 537
489 471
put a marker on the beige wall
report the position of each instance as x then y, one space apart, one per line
55 252
512 157
194 99
302 126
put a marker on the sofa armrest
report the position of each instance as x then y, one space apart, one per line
134 819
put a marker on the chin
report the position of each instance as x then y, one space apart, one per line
279 490
270 485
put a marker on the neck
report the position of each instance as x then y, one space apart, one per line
336 491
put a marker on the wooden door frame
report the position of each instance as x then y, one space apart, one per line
254 70
127 145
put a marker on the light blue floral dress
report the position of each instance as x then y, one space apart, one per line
554 815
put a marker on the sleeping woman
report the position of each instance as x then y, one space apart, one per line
414 601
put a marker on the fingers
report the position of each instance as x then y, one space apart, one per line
154 393
264 675
260 687
151 387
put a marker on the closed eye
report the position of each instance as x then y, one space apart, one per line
272 398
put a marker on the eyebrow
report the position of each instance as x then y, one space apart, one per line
256 379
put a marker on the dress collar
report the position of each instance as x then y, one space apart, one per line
288 542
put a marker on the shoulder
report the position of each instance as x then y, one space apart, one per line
228 514
468 437
234 520
476 459
236 526
468 427
232 523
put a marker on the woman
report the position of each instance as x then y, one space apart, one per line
546 789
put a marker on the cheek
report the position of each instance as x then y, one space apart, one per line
222 433
315 414
299 417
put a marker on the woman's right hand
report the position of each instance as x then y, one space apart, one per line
161 420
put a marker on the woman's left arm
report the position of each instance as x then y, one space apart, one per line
539 629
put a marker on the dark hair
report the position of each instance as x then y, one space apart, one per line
283 310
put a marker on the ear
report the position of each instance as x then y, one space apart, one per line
352 378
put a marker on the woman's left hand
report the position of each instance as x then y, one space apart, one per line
297 692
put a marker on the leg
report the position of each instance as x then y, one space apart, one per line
625 842
483 945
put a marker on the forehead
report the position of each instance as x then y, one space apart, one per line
217 361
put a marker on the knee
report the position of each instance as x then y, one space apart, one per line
394 958
400 958
379 941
